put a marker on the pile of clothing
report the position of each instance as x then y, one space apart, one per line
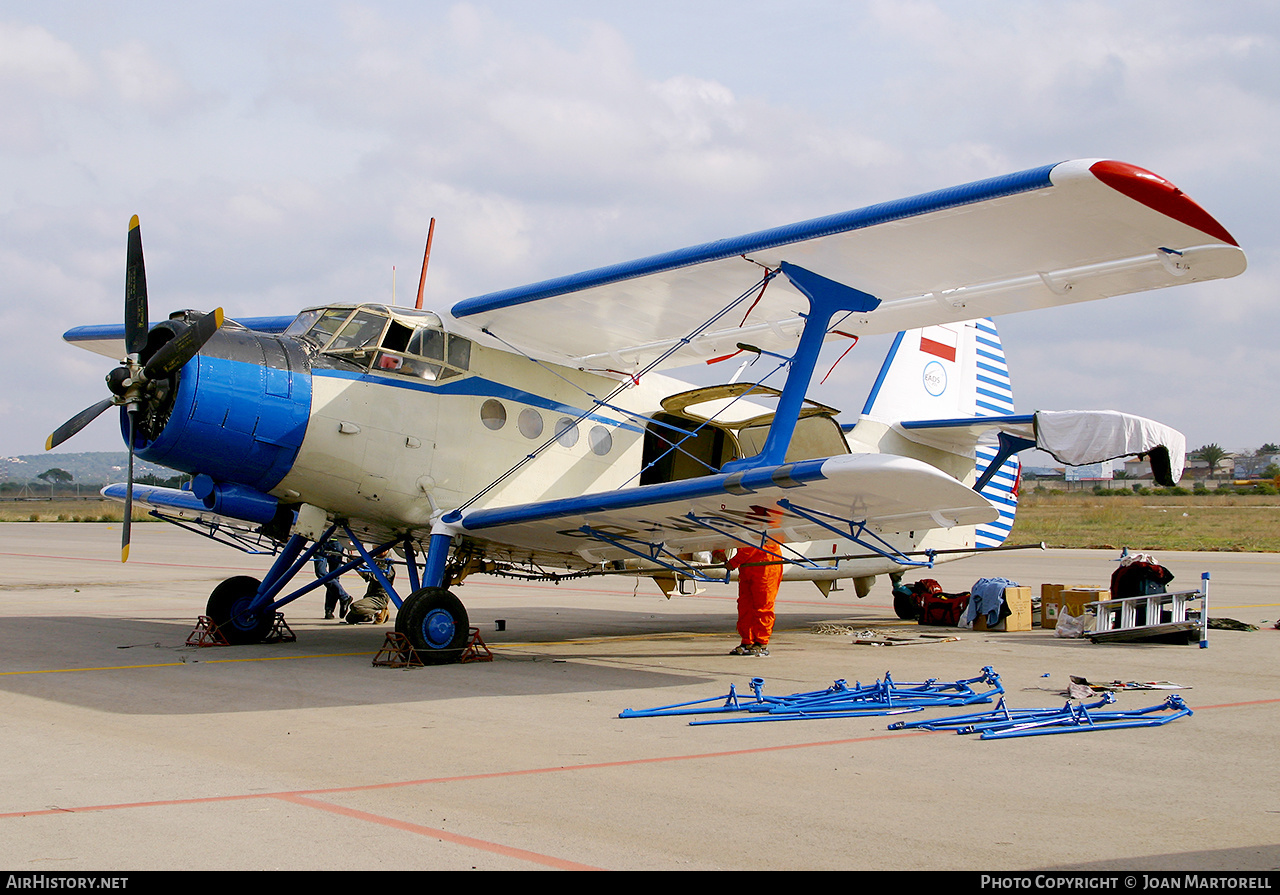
987 598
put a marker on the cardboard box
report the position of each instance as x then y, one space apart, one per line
1053 597
1049 602
1018 599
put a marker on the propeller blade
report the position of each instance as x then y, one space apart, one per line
128 494
174 353
76 423
136 320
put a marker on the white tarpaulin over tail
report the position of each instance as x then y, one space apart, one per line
1080 437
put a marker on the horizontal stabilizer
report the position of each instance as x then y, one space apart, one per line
1072 437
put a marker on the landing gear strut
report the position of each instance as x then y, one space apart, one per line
432 618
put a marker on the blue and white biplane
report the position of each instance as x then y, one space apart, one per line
536 432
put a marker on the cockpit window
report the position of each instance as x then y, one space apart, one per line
317 326
363 330
302 322
430 354
382 343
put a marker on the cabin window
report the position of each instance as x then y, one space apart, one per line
601 440
493 414
530 423
566 432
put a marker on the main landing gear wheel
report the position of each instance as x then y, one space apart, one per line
228 605
436 624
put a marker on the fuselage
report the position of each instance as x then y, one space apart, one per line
385 419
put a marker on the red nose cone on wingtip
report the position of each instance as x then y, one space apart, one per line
1159 194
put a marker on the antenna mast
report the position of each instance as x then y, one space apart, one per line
426 257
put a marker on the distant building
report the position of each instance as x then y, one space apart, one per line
1250 466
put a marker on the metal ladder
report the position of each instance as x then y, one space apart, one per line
1153 615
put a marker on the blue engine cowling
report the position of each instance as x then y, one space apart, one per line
237 412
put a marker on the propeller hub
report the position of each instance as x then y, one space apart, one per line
118 381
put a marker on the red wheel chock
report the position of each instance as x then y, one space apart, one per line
280 631
206 633
396 651
476 651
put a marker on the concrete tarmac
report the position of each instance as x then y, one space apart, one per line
125 749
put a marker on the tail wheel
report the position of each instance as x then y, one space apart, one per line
228 607
436 624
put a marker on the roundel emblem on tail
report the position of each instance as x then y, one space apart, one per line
935 378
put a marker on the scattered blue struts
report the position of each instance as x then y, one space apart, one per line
1003 722
889 697
840 700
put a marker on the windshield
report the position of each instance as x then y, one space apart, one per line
388 344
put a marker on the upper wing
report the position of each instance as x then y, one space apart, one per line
1063 233
886 493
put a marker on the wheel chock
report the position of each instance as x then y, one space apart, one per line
476 651
397 652
206 633
280 631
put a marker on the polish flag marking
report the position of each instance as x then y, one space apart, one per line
939 341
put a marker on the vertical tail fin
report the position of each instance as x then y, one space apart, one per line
953 372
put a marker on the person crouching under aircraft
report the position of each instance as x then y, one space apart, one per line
759 575
372 608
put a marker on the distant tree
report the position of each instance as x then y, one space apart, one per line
55 476
1269 448
1211 454
1271 471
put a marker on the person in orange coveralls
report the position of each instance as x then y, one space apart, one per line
757 590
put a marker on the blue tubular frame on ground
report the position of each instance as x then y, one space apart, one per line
855 534
885 697
1005 723
1082 721
729 703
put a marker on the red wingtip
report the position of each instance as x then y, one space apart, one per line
1159 194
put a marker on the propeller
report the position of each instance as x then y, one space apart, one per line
135 386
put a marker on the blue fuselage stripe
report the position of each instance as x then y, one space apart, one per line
475 386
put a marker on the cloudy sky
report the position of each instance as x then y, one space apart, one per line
288 154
